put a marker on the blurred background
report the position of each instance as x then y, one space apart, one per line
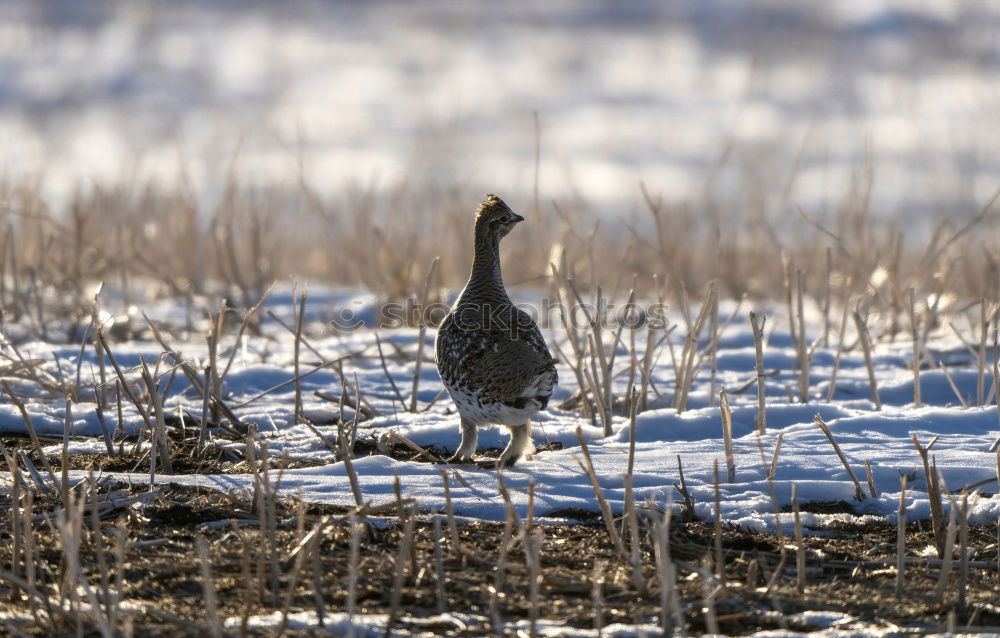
682 95
730 112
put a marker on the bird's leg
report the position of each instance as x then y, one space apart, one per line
520 441
470 436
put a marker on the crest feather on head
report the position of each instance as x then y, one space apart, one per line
492 205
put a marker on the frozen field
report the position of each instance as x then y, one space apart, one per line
965 451
834 165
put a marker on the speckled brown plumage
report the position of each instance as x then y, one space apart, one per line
491 356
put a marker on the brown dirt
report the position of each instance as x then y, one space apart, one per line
848 571
214 459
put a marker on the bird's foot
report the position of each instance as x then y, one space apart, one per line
458 459
503 461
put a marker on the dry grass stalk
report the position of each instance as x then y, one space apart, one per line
653 343
64 459
609 521
827 296
858 493
353 571
299 320
120 550
317 588
727 435
15 521
720 563
681 487
666 571
591 376
203 430
630 513
963 541
511 511
208 587
871 479
125 386
421 451
105 431
267 510
710 591
572 336
35 443
529 519
322 366
45 487
688 370
500 575
533 557
635 551
951 382
949 552
366 238
421 334
248 317
866 347
758 341
69 523
213 338
439 574
158 435
901 540
802 345
597 595
309 549
385 370
776 510
713 346
965 342
996 385
396 597
633 404
600 376
840 351
346 454
456 545
800 549
788 285
934 493
915 331
97 541
186 367
985 317
998 476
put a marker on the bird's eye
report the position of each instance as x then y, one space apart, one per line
505 219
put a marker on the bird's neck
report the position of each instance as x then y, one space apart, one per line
486 263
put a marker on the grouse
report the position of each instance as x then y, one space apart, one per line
490 354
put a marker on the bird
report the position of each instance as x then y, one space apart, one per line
490 354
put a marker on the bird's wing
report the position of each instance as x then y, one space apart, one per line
507 367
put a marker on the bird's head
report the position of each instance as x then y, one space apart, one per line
495 219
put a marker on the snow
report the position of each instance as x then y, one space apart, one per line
806 458
335 624
824 624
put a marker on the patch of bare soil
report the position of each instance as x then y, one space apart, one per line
186 457
255 571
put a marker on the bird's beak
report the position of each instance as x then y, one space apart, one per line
518 218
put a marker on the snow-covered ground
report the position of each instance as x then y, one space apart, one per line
715 99
806 458
822 625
